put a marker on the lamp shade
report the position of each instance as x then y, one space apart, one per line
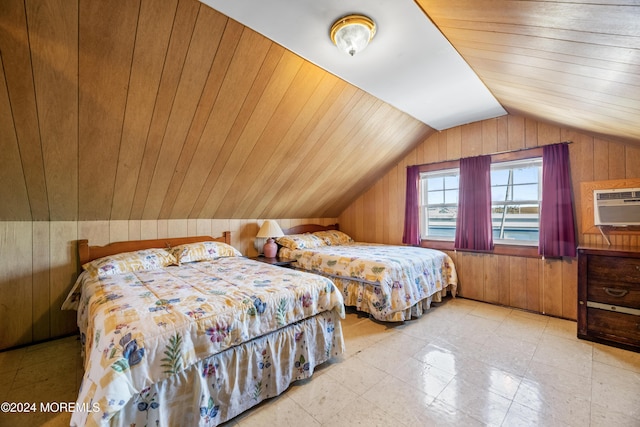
353 33
270 228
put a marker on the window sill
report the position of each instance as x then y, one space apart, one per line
509 250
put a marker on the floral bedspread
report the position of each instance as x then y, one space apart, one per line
399 276
142 327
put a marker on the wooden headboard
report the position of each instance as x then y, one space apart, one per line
310 228
88 253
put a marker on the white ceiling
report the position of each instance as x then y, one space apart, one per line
409 64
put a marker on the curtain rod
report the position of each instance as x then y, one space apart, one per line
515 150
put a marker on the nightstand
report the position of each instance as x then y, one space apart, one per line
281 262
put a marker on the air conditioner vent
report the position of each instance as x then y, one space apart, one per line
618 195
617 207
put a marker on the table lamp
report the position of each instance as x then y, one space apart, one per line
269 230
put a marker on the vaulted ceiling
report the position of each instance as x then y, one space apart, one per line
147 109
571 63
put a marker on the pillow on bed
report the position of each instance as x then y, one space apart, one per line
334 237
147 259
300 241
201 251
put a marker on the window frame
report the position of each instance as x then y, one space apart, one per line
513 164
529 251
424 207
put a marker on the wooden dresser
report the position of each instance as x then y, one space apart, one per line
609 296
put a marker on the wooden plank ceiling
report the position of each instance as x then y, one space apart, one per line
150 109
571 63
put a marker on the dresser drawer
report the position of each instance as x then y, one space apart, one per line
613 269
609 296
606 324
615 293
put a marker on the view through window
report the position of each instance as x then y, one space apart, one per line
439 203
516 193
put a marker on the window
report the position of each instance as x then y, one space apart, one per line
516 192
439 204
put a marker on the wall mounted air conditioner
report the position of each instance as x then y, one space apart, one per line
617 207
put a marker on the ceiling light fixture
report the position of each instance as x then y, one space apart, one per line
352 33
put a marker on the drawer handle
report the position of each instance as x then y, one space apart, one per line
617 293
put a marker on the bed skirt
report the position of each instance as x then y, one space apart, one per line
360 295
222 386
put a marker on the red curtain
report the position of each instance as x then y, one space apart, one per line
557 227
473 225
411 235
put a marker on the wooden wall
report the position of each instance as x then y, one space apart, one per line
544 286
38 264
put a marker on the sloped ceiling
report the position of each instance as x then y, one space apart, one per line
409 63
147 109
571 63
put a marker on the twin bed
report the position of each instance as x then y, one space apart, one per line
391 283
187 331
195 343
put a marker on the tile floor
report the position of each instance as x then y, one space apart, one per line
463 363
